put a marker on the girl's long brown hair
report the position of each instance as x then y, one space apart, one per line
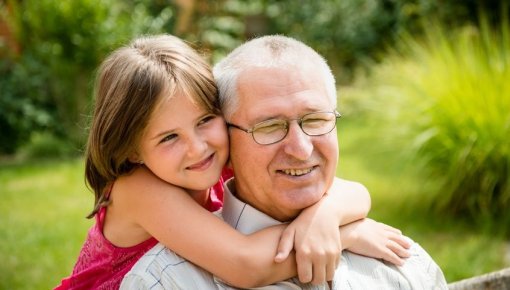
130 84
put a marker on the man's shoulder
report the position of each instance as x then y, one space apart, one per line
155 258
146 273
418 272
161 268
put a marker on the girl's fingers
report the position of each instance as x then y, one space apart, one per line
402 240
330 270
391 229
398 250
285 245
337 261
319 272
304 270
391 257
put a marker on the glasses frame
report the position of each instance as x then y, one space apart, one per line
299 121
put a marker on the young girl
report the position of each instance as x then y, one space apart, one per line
155 160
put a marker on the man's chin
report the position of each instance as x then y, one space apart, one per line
302 198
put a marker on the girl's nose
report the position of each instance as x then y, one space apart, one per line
196 146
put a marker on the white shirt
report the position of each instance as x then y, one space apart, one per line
160 268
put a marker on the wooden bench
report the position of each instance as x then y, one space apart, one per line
499 280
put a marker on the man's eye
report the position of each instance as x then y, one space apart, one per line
168 138
318 119
270 126
314 122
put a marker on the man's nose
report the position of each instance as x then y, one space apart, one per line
297 143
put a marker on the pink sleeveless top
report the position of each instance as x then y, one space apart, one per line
102 265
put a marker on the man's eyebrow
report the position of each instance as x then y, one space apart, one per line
267 118
307 110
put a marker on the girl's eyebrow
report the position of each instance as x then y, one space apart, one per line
167 132
163 133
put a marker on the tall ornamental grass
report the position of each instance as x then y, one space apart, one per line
446 101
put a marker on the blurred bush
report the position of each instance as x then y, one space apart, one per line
43 145
350 34
23 106
46 81
445 100
49 49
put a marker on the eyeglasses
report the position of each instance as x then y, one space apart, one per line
274 130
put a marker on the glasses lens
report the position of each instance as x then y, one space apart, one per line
319 123
270 131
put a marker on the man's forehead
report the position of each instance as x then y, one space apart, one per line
258 86
290 70
276 80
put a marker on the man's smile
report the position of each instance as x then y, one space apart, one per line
296 171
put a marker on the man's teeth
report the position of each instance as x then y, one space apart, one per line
295 172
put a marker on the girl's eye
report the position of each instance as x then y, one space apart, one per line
206 119
168 138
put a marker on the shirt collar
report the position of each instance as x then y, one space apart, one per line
242 216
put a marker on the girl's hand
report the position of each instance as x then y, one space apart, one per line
314 234
315 237
377 240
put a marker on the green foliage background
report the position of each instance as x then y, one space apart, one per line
46 85
46 78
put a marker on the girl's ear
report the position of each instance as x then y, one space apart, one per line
135 158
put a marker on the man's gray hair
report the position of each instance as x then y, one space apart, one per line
268 52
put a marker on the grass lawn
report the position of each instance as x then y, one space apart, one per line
44 204
42 222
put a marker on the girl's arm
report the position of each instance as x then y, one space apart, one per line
373 239
314 233
170 215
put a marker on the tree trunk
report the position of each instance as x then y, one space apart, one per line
499 280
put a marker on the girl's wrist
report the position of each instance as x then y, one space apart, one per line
348 235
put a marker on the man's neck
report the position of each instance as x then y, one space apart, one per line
242 216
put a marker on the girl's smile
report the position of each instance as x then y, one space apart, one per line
202 165
193 148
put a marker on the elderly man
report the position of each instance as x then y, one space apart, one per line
279 99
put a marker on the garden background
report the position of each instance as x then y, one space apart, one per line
423 87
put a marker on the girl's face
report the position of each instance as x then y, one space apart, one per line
185 145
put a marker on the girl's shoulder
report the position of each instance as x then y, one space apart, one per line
142 179
140 187
131 197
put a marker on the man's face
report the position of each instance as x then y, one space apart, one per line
283 178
